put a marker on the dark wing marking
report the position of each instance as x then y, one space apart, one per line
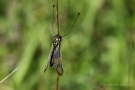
51 56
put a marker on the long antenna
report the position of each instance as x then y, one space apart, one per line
72 25
57 19
53 19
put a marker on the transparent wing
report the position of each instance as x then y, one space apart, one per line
58 66
58 61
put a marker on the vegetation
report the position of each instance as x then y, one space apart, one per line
96 55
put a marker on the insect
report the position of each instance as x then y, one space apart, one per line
54 58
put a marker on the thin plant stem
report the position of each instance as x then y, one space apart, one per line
57 22
57 82
57 19
8 75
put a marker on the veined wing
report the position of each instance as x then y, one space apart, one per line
57 61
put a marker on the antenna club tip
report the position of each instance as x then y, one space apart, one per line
78 14
53 5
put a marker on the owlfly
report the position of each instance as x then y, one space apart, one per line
54 58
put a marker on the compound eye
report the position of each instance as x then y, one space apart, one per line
56 39
59 39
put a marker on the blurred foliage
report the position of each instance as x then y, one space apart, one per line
96 54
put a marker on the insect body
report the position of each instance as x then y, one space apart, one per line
54 58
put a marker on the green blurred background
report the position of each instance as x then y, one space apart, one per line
96 55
